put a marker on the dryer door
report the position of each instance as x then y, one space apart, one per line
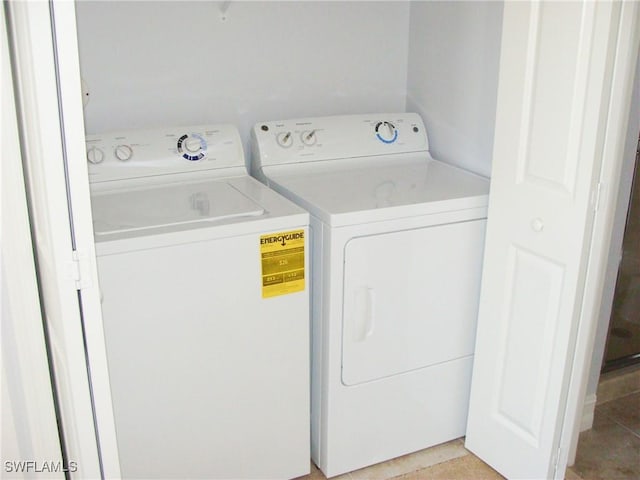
410 299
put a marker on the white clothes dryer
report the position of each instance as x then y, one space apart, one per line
397 240
205 307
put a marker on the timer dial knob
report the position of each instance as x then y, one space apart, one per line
192 147
284 139
95 155
123 152
386 132
192 144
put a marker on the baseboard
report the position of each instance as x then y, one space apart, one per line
588 411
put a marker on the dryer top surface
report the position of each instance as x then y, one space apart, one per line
379 188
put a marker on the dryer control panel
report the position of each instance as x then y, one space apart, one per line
330 138
132 154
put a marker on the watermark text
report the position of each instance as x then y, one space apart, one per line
39 466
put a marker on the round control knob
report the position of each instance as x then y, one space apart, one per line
284 139
386 132
308 137
123 152
192 147
192 144
95 155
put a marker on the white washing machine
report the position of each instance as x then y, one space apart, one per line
397 240
203 271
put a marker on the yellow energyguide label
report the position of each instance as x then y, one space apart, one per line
282 256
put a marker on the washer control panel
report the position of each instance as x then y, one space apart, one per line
144 153
346 136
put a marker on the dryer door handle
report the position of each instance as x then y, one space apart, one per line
365 313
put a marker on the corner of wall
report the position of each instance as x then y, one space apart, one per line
452 77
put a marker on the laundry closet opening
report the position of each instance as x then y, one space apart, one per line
146 65
240 63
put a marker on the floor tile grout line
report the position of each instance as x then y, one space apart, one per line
635 392
611 417
608 416
630 430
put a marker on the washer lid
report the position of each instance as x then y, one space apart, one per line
345 192
117 211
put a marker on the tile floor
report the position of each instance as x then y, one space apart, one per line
609 451
447 461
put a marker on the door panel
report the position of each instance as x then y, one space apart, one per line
547 154
533 289
410 299
547 150
29 429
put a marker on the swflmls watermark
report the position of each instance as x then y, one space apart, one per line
38 466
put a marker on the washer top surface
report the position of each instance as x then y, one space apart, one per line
167 205
380 188
175 184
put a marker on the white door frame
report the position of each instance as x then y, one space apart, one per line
48 92
615 253
616 128
72 115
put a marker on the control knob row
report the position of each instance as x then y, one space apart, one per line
123 153
285 139
384 131
191 147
